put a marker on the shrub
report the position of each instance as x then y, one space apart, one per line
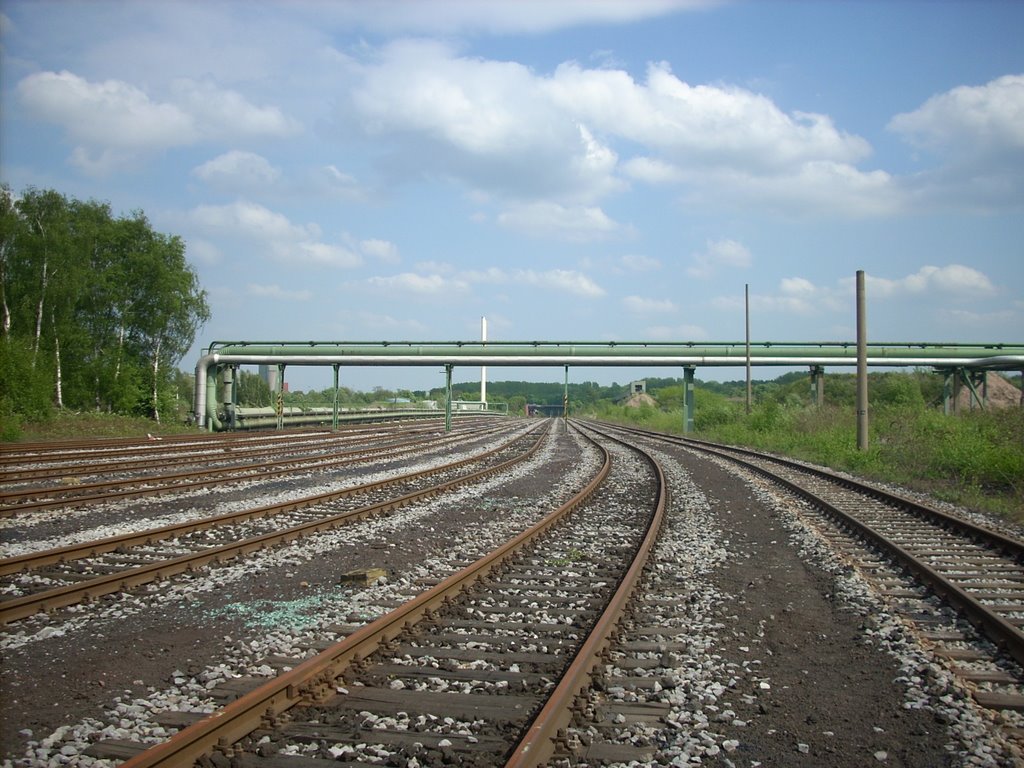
25 389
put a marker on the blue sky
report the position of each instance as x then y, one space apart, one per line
570 170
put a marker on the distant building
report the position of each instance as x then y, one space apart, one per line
638 388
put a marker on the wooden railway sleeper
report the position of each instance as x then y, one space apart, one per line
357 637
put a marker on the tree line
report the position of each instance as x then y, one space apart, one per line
96 310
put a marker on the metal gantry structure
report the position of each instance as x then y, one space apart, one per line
963 364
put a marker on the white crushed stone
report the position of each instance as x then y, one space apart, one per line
131 720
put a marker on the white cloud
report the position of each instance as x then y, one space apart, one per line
635 262
376 325
969 119
700 125
644 306
562 280
797 286
238 170
112 113
567 281
440 267
685 332
272 233
719 254
800 296
113 121
102 162
223 113
807 189
977 135
653 171
316 254
487 123
508 17
252 221
996 319
423 285
382 250
492 275
204 251
548 219
785 304
277 292
559 139
330 180
953 279
794 296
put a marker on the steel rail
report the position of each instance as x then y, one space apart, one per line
9 451
313 679
28 605
256 470
183 454
1001 632
542 737
1008 544
33 560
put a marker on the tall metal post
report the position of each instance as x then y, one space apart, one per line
862 365
483 368
334 420
746 302
688 372
448 397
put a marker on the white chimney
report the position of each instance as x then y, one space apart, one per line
483 368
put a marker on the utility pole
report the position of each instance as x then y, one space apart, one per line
746 302
483 368
862 365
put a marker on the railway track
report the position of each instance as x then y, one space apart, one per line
482 669
212 470
913 553
56 578
75 460
441 684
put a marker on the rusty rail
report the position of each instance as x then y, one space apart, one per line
22 607
543 736
314 679
1000 631
201 479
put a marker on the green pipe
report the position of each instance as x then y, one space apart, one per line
497 351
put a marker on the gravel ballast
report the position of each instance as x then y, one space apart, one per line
811 667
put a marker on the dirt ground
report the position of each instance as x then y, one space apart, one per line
832 702
829 691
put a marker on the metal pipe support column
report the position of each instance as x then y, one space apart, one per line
818 385
280 396
448 397
565 396
334 420
228 396
949 386
688 372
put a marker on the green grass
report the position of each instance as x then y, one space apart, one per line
81 426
